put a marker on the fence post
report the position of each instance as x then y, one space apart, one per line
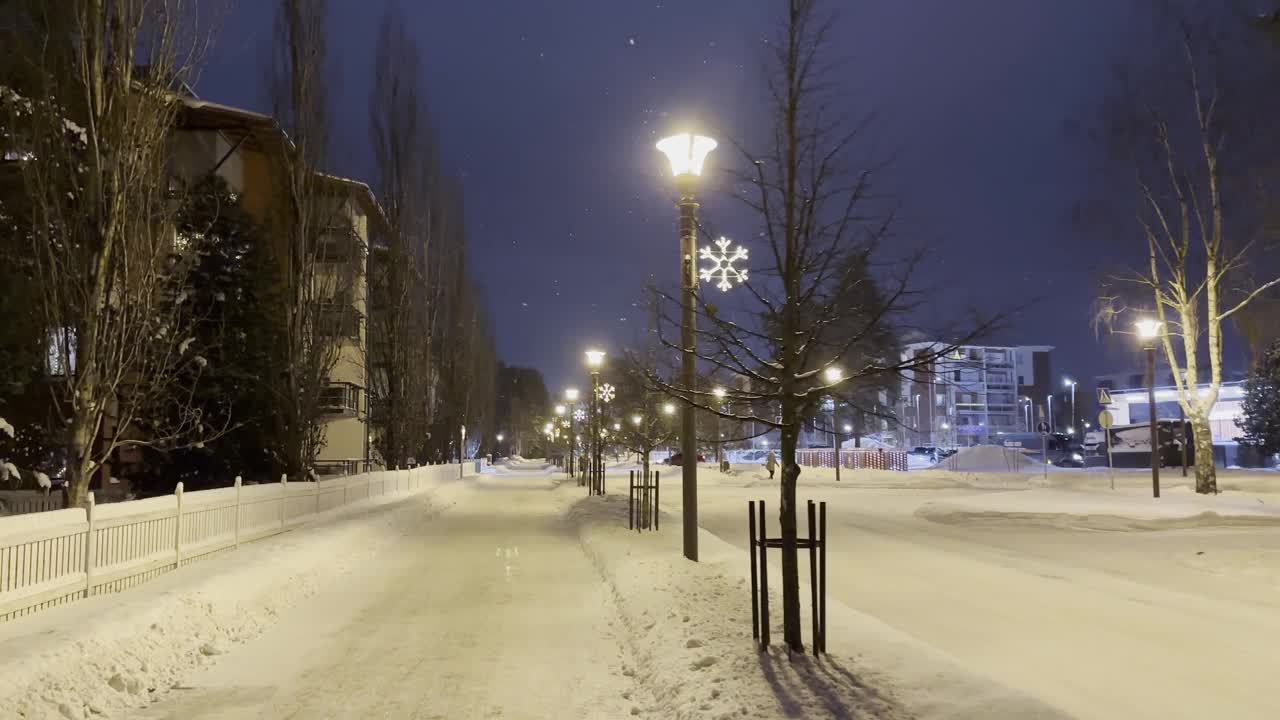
90 545
284 499
177 526
239 481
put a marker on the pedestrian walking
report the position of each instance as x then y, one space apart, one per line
771 463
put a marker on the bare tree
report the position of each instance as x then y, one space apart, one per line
821 223
400 331
1172 121
316 253
90 130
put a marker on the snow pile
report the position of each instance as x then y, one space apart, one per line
990 458
110 653
689 630
1124 509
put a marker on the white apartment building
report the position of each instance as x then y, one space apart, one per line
971 394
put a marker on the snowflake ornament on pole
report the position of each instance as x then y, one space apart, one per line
579 414
605 393
722 271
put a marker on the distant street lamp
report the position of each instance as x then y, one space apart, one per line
595 361
1050 399
571 396
687 153
1148 332
720 394
1027 412
1068 382
833 375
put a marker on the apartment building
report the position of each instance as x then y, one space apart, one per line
244 147
971 394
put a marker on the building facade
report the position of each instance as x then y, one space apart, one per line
244 148
971 394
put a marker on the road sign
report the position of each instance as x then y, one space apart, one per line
1105 419
1042 427
1104 396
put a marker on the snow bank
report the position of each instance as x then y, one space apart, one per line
689 628
989 458
107 654
1123 509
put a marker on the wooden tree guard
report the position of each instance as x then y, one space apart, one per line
642 502
816 544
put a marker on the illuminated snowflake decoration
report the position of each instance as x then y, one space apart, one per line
722 272
605 392
579 414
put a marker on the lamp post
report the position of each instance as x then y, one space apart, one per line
499 447
687 152
1027 412
571 397
1051 424
561 410
833 375
1148 331
1068 382
720 394
595 361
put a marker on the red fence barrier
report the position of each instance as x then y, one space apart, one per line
871 458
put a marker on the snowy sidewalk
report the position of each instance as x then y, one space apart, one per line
489 610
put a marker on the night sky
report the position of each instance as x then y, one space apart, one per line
549 111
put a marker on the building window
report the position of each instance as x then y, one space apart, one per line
1022 380
957 375
340 399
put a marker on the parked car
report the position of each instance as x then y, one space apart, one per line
678 459
923 450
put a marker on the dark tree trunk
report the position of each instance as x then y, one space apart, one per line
787 521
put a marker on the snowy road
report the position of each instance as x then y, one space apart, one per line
488 610
1171 624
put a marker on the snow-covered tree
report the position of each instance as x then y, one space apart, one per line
822 229
89 124
1169 124
1261 408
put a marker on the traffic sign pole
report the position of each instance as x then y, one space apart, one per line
1104 421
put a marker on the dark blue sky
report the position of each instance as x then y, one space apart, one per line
549 111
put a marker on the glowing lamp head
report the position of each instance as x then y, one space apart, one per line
595 359
1068 382
833 374
1148 328
560 409
719 393
686 152
848 428
617 426
946 426
499 437
547 428
571 394
636 420
668 409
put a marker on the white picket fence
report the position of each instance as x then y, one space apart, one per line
51 558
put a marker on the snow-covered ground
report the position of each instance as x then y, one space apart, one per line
512 595
1177 623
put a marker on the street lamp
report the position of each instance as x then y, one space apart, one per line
1148 332
1068 382
834 375
1027 412
571 396
595 361
720 394
687 154
1050 402
668 409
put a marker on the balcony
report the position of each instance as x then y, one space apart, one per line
339 320
339 244
340 399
